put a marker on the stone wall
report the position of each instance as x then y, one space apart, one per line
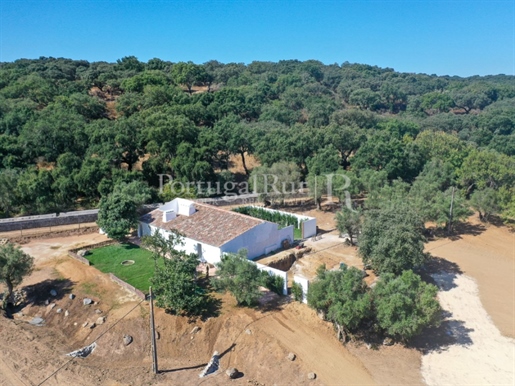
48 220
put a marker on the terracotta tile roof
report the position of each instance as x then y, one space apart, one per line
210 225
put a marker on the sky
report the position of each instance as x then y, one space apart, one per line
457 37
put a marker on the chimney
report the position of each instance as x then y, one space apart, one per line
168 215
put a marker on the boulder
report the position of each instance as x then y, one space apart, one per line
85 324
388 342
53 292
195 330
232 373
59 310
92 325
291 356
51 306
37 321
101 320
127 340
312 376
97 311
72 296
66 313
87 301
248 331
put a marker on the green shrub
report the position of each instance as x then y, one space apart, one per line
296 291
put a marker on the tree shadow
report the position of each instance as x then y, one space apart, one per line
212 305
440 272
39 293
459 229
270 301
437 339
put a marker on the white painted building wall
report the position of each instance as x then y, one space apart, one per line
260 240
304 283
210 253
275 272
309 223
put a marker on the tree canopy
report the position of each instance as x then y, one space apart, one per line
71 130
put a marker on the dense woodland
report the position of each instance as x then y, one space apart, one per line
71 131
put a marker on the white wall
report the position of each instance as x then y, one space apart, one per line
259 240
310 227
275 272
210 253
310 223
304 283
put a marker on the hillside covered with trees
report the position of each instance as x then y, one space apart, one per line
71 131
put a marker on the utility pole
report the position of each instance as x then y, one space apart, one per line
153 333
450 211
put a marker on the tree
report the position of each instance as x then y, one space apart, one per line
117 215
277 181
405 304
14 266
486 202
342 296
348 221
240 277
189 74
391 239
175 283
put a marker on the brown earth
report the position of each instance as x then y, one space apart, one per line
29 354
486 253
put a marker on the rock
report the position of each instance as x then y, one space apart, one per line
232 373
87 301
127 340
98 311
51 306
75 323
248 331
83 252
101 320
47 302
368 345
72 296
85 324
321 314
53 292
312 376
388 342
158 335
195 330
37 321
59 310
92 325
291 356
66 313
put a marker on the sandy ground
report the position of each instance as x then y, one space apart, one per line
479 354
473 345
487 254
29 354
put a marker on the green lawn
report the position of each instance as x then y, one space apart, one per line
108 259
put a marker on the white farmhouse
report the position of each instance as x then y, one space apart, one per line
210 231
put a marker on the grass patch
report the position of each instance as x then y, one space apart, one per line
109 259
